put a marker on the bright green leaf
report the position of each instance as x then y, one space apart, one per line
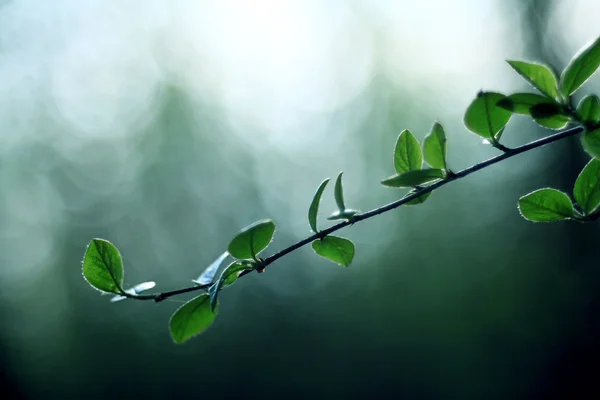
417 200
434 147
546 205
413 178
407 154
550 115
580 68
591 142
336 249
252 240
338 192
228 276
588 109
484 117
587 187
313 210
103 266
521 103
191 319
539 75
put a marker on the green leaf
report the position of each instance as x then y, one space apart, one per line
550 115
484 117
336 249
546 205
539 75
591 142
191 319
521 103
407 154
103 266
587 187
252 240
339 192
228 276
413 178
346 214
588 109
418 200
313 210
580 68
434 147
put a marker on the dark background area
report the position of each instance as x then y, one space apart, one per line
165 127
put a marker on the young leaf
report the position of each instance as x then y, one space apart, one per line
484 117
252 240
336 249
580 68
540 76
434 147
208 275
103 266
417 200
521 103
191 319
413 178
339 193
407 154
228 276
346 214
587 187
549 115
588 109
137 289
313 210
546 205
591 142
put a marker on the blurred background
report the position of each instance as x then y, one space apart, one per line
165 127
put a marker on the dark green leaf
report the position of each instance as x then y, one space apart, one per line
339 192
413 178
546 205
228 276
209 273
407 154
587 187
418 200
540 76
336 249
252 240
346 214
580 68
521 103
588 109
434 147
484 117
591 142
191 319
103 266
550 115
313 210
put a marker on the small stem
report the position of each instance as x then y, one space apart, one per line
508 153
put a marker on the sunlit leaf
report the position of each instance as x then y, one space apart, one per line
137 289
192 318
346 214
484 117
336 249
407 153
591 142
546 205
313 210
413 178
103 266
588 109
587 187
580 68
339 193
538 75
434 147
208 276
252 240
521 103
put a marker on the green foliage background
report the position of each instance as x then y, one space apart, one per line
457 298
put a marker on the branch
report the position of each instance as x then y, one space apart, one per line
508 153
